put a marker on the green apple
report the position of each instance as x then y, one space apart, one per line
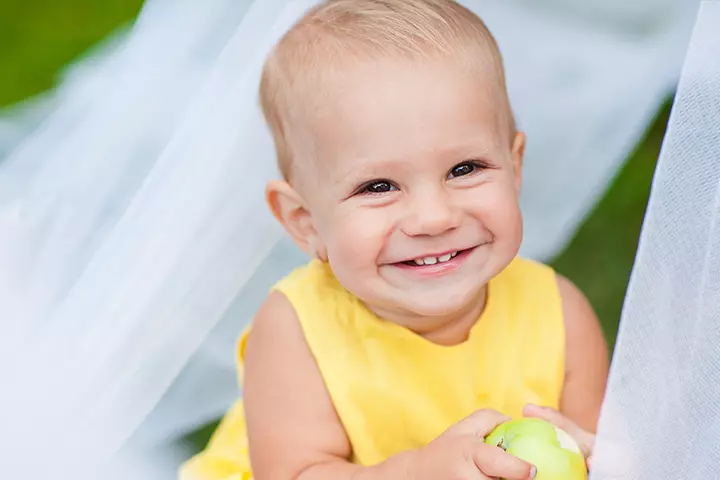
553 452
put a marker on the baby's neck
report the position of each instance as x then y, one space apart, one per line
447 330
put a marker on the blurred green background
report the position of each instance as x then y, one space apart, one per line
39 37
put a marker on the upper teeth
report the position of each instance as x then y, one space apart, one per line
434 260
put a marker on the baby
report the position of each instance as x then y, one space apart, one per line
416 328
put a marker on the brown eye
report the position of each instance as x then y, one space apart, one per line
379 187
462 170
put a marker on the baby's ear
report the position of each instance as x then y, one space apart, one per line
291 210
517 156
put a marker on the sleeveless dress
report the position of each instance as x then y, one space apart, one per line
394 390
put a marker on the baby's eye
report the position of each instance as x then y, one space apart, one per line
380 186
463 169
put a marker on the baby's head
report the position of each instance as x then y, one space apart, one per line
399 152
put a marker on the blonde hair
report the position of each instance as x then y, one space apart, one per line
341 32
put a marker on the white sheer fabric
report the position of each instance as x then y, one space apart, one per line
661 416
132 220
113 268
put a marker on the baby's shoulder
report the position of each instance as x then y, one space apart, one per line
290 299
307 306
526 278
531 280
312 287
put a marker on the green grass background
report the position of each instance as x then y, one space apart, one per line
39 37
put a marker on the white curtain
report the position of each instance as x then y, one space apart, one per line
134 241
661 415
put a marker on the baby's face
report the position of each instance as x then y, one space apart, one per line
413 187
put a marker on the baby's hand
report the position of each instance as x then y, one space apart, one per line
585 439
460 453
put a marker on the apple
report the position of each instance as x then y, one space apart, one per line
553 452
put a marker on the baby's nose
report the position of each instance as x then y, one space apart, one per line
431 215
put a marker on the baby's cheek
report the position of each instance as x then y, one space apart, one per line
498 209
507 226
359 237
362 238
353 253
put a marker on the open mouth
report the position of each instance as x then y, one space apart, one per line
424 261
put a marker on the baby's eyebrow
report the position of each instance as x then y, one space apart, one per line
475 145
478 145
372 167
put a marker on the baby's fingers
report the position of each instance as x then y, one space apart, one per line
584 439
551 415
479 424
494 462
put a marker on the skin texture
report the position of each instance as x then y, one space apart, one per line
404 160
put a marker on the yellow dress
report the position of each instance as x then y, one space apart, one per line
394 390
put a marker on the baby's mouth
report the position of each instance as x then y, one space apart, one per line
423 261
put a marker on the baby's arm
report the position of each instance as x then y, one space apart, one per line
587 363
293 429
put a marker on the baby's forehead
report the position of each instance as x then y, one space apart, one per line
323 94
366 93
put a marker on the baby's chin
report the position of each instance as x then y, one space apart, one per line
442 323
430 307
433 309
